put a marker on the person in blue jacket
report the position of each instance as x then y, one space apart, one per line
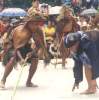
84 52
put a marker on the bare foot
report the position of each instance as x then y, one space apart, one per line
31 85
89 91
2 85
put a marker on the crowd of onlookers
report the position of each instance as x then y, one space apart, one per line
79 5
83 3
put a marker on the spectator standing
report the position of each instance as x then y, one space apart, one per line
95 4
35 9
49 31
76 6
88 4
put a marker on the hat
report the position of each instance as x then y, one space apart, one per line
71 39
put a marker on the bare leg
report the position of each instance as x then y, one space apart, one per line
63 63
8 69
91 83
65 54
88 74
40 53
32 71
